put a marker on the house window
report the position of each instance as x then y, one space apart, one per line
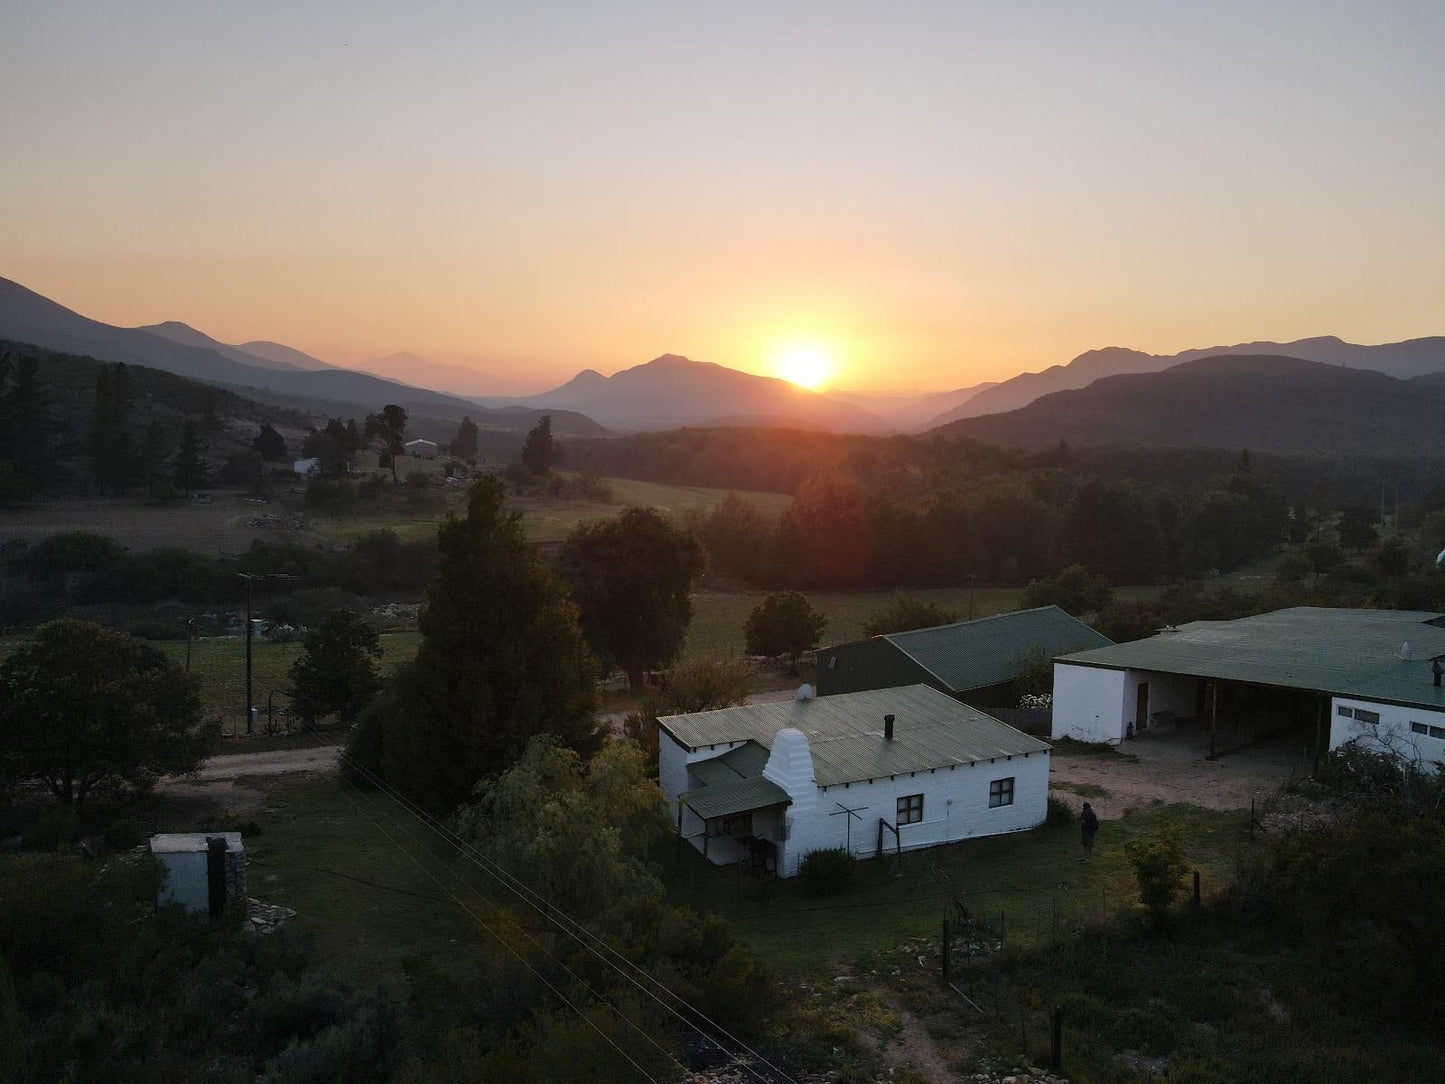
1001 792
1419 728
1348 713
910 809
1431 731
1363 716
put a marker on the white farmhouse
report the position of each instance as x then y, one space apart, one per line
872 771
1332 675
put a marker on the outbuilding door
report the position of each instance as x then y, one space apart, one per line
1141 709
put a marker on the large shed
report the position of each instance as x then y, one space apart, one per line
974 661
880 770
1294 667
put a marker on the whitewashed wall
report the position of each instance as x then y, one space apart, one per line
186 882
673 760
1090 703
1392 734
955 807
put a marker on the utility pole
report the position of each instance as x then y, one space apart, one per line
251 577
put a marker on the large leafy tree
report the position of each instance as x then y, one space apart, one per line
502 659
632 578
82 706
269 444
336 671
190 470
389 427
784 624
464 443
905 613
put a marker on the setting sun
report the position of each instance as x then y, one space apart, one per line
805 365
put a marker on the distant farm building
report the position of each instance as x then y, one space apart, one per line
307 466
1332 675
974 661
422 449
876 771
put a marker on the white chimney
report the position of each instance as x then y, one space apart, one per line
805 692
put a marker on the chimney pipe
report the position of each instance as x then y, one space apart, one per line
888 720
1437 671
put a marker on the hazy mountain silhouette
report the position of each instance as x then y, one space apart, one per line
1264 403
273 358
673 391
282 354
1410 358
411 368
27 317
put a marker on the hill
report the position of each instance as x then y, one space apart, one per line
1264 403
673 391
1404 360
27 317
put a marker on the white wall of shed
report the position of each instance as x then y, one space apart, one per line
1392 734
186 880
1090 703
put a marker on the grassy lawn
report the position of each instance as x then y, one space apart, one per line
366 905
219 664
1014 880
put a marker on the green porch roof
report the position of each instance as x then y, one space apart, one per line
744 762
1305 647
737 796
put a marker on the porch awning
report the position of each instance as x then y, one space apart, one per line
729 799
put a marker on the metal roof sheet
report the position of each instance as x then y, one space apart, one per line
1411 683
845 732
744 762
1304 647
739 796
972 654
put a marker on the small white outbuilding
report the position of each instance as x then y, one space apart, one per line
205 871
422 448
873 771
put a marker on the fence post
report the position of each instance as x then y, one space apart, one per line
1056 1051
1196 890
1056 920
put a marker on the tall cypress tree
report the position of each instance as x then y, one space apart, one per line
189 471
502 659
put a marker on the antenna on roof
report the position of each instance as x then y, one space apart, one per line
805 692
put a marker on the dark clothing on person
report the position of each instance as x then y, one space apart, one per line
1088 824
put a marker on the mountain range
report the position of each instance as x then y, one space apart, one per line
1407 359
1261 402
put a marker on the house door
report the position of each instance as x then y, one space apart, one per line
1141 709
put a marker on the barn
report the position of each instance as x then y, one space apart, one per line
878 771
974 661
1329 675
421 448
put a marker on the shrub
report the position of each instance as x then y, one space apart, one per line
1159 868
57 826
1060 812
124 833
826 872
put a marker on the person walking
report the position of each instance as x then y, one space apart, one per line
1088 827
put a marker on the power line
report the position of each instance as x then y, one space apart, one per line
584 937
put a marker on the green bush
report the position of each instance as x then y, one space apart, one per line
58 826
124 833
1159 868
826 872
1060 812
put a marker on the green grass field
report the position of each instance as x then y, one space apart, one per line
1013 882
219 665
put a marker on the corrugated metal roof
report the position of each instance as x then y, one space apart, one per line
1305 647
739 796
972 654
845 732
744 762
1410 683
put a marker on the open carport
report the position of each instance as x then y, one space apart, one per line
1236 683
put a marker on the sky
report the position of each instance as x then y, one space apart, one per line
925 194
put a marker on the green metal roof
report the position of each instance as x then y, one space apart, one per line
744 762
738 796
973 654
1410 683
1305 647
845 732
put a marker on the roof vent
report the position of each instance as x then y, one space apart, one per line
887 728
1406 652
805 692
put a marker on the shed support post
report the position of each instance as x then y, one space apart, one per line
1213 714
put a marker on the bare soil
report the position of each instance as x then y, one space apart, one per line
1174 767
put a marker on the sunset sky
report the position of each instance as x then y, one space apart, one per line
928 194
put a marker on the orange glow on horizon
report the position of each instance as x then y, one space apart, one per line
806 364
